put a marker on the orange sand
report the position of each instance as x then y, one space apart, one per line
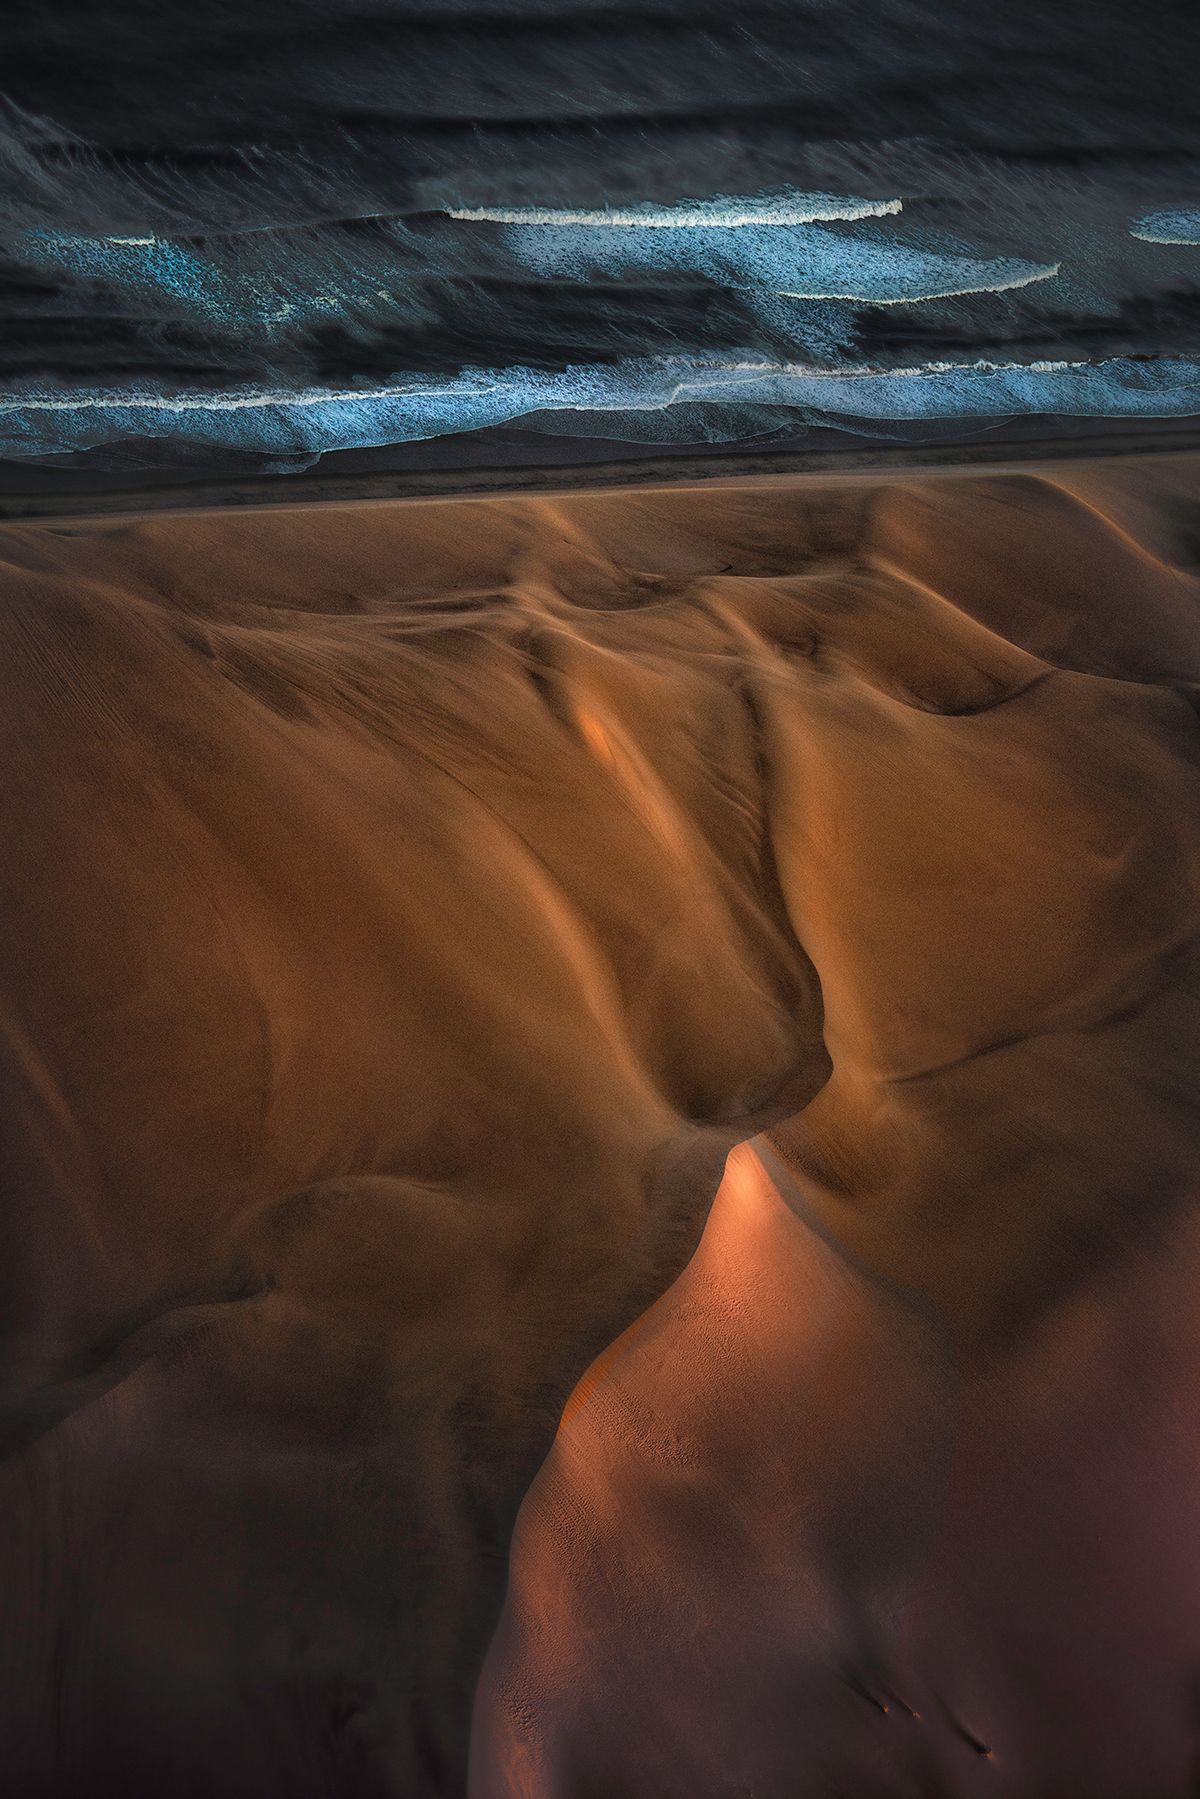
408 907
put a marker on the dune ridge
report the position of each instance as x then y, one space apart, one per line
410 907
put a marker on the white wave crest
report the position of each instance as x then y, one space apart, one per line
688 215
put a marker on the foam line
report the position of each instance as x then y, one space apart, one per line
638 401
729 214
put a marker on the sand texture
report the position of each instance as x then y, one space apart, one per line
407 909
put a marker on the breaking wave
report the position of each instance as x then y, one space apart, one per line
663 401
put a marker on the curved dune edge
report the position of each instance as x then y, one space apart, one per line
417 904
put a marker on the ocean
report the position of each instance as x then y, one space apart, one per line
243 238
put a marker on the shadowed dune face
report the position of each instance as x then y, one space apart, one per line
409 908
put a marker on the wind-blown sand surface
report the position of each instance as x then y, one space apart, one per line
407 910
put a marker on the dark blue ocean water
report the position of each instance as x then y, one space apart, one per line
255 233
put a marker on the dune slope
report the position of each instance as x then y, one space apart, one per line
408 908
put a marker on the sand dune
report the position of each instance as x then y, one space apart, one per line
408 908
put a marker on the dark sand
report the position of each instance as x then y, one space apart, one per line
407 909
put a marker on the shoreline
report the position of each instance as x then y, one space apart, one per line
718 468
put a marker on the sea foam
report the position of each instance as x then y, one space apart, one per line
662 400
1170 225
